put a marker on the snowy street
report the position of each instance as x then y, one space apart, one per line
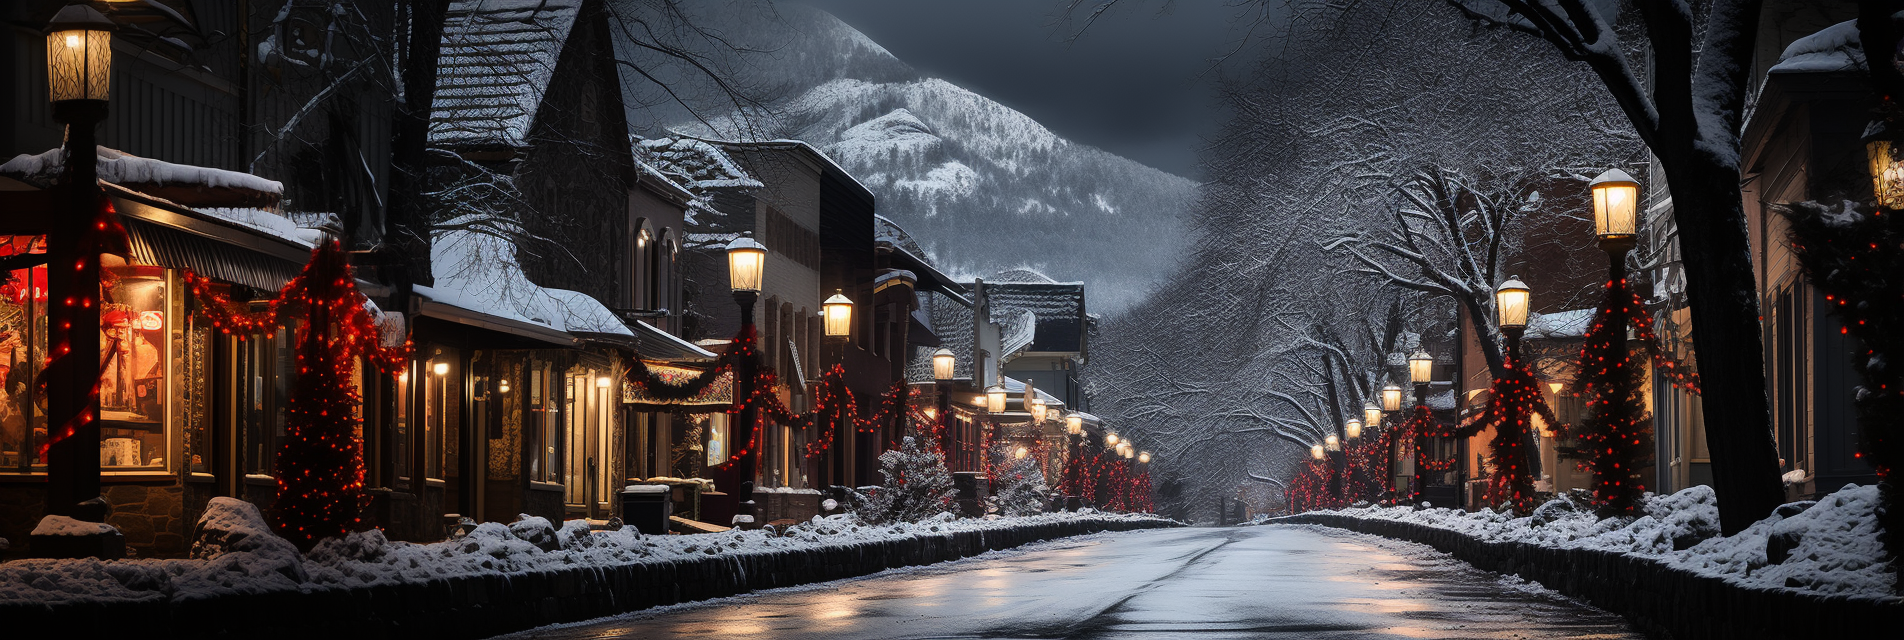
1246 582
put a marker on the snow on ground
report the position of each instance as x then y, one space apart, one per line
243 556
1828 548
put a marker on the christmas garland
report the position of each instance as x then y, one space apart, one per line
103 236
1512 401
1420 427
1616 431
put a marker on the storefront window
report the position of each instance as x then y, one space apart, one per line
544 414
22 349
400 431
132 387
266 366
440 400
590 423
716 439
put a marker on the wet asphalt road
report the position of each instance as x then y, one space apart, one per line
1202 583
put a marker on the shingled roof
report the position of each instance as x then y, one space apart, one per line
497 59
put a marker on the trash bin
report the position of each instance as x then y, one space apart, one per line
647 507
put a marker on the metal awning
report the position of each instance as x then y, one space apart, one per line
459 315
164 234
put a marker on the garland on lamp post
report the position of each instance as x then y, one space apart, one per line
1513 400
1617 432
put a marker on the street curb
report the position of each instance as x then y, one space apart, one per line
484 606
1660 601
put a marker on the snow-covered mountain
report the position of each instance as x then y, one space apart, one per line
983 187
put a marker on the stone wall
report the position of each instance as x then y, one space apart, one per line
485 606
1660 601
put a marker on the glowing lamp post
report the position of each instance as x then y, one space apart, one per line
79 79
1510 305
1331 443
1353 429
746 266
1038 410
942 361
1882 148
1074 427
1421 370
995 399
1110 440
1616 199
1315 451
839 315
1391 397
1074 423
1143 457
1371 415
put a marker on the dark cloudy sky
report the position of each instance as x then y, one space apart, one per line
1129 85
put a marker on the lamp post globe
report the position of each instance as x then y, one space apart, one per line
1110 440
1510 303
1315 451
1371 414
995 399
1073 423
1038 410
746 262
1421 367
942 361
1352 429
1331 443
1391 397
839 315
79 59
1886 156
1616 198
1143 456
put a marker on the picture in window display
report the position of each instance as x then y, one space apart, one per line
132 385
22 353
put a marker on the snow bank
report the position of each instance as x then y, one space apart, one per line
242 556
1828 548
64 526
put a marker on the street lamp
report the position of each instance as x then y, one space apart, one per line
1371 414
1144 457
1110 440
1074 423
1616 198
839 315
746 262
79 80
1331 443
1038 410
1510 305
1887 164
942 361
1391 397
746 266
1421 367
1315 451
1353 429
1127 450
995 399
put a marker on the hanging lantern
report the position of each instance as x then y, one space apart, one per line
1391 397
79 54
1074 423
1315 451
1887 164
1371 414
1353 429
1421 367
839 315
1616 199
995 399
746 260
1510 303
942 361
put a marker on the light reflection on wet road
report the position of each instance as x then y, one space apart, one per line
1203 583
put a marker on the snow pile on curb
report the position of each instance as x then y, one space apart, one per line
236 553
1827 548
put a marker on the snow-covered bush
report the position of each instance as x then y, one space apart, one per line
1020 482
917 485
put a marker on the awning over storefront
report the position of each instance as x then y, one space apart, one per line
459 315
720 394
166 235
652 343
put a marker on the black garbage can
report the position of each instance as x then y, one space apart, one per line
646 507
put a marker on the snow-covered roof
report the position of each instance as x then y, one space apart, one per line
1835 48
479 272
1058 306
1563 324
694 163
1023 276
125 169
497 60
270 222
